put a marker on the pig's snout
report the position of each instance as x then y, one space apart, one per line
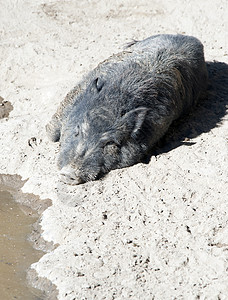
70 175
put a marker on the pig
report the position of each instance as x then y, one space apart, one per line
118 112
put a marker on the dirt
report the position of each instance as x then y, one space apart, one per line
151 231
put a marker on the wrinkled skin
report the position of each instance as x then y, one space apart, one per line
116 114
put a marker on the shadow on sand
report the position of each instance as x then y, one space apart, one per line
207 115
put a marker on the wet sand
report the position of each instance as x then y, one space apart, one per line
16 252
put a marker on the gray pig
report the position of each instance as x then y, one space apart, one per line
117 113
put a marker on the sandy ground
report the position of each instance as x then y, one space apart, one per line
155 231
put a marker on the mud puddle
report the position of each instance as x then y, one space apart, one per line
16 252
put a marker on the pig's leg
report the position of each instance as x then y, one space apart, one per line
54 127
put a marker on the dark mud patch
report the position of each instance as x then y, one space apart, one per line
5 108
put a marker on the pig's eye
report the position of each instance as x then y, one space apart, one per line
99 84
76 133
111 148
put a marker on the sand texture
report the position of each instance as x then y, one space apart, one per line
151 231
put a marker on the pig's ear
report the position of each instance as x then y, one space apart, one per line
132 121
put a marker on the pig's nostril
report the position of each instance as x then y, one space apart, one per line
68 175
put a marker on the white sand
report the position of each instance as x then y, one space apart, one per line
156 231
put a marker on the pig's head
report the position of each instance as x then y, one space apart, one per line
93 147
98 137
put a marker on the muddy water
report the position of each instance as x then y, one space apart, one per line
16 253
